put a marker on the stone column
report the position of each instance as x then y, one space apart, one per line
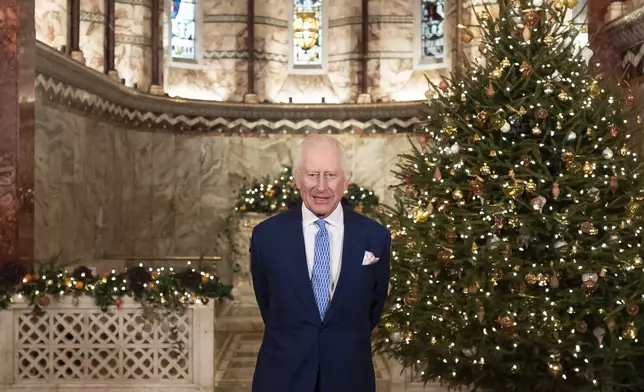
133 51
92 33
17 74
272 45
343 48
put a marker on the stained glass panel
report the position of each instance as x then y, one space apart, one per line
432 29
183 29
312 56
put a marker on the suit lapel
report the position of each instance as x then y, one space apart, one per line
353 248
300 269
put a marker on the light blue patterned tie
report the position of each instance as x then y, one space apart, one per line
321 275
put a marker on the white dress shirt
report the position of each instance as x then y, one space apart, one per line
335 227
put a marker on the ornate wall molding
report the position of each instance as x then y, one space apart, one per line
63 80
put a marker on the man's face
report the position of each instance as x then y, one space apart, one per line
321 179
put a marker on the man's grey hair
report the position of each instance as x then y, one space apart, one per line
319 140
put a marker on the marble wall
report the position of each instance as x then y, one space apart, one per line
75 176
221 74
51 22
104 189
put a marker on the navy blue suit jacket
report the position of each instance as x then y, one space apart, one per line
297 344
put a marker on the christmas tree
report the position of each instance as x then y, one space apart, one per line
516 238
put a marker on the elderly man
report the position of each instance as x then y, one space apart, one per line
320 273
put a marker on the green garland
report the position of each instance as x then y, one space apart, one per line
279 194
158 288
271 196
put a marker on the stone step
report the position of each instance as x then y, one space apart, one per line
238 354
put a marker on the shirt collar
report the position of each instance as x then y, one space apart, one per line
335 219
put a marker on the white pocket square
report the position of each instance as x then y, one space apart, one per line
369 258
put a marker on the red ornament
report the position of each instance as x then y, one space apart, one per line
613 183
612 130
531 18
118 303
443 85
423 139
525 69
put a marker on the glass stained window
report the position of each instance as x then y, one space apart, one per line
313 56
183 29
432 38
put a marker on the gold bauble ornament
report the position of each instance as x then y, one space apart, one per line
421 214
570 3
496 73
515 190
531 186
588 168
505 63
563 96
549 39
555 368
633 209
623 150
594 90
485 169
466 36
631 331
506 321
536 131
457 194
531 278
559 6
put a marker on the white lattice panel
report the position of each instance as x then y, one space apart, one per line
81 345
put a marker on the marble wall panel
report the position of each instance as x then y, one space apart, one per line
133 51
92 33
74 180
51 22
